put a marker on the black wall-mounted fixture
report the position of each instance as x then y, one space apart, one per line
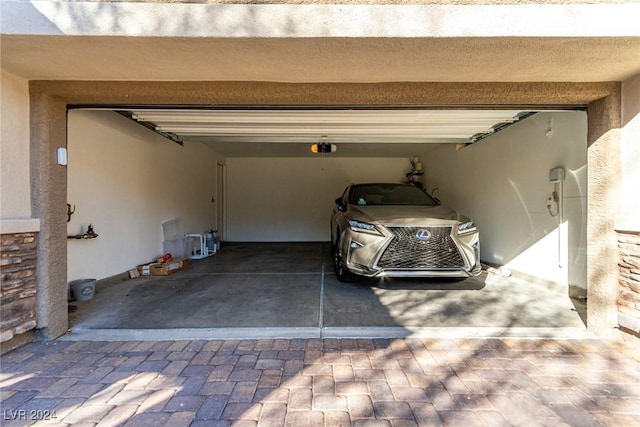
324 147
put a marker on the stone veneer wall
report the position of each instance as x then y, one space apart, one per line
629 281
18 284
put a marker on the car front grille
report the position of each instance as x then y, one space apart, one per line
406 250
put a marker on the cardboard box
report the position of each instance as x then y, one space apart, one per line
144 270
169 267
164 269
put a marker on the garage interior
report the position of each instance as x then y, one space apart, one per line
250 173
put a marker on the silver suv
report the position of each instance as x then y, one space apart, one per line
398 230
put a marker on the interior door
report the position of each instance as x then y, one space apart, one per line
220 200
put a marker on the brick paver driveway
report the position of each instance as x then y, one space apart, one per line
404 382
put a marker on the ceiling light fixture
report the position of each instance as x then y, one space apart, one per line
324 147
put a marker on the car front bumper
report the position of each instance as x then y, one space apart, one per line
396 251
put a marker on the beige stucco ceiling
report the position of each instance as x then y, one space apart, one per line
321 60
80 40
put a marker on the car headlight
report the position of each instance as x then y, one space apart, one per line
466 227
362 226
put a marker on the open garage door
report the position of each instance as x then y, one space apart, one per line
492 165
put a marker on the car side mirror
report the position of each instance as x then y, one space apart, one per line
339 204
434 197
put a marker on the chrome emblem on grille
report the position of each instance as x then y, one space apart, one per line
423 234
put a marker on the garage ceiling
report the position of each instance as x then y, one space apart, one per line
356 132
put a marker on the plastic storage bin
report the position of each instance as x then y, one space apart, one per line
176 247
171 229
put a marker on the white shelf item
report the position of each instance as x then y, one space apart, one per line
201 248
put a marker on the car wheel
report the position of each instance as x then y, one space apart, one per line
342 273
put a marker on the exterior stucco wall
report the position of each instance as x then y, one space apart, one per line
14 147
630 202
382 2
604 169
49 100
294 19
628 222
48 204
19 231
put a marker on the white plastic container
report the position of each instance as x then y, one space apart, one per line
171 229
83 289
176 247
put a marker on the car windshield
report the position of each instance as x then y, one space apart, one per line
389 194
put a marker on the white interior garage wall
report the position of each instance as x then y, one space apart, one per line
290 199
502 182
126 181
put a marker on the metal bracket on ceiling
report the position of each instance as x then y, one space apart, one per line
151 126
498 127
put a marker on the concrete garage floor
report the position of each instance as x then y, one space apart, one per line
289 290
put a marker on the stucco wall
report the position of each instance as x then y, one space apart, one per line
19 231
126 181
502 182
630 152
14 147
628 221
290 199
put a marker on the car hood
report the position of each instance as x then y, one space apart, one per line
405 215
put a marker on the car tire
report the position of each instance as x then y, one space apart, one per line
342 273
